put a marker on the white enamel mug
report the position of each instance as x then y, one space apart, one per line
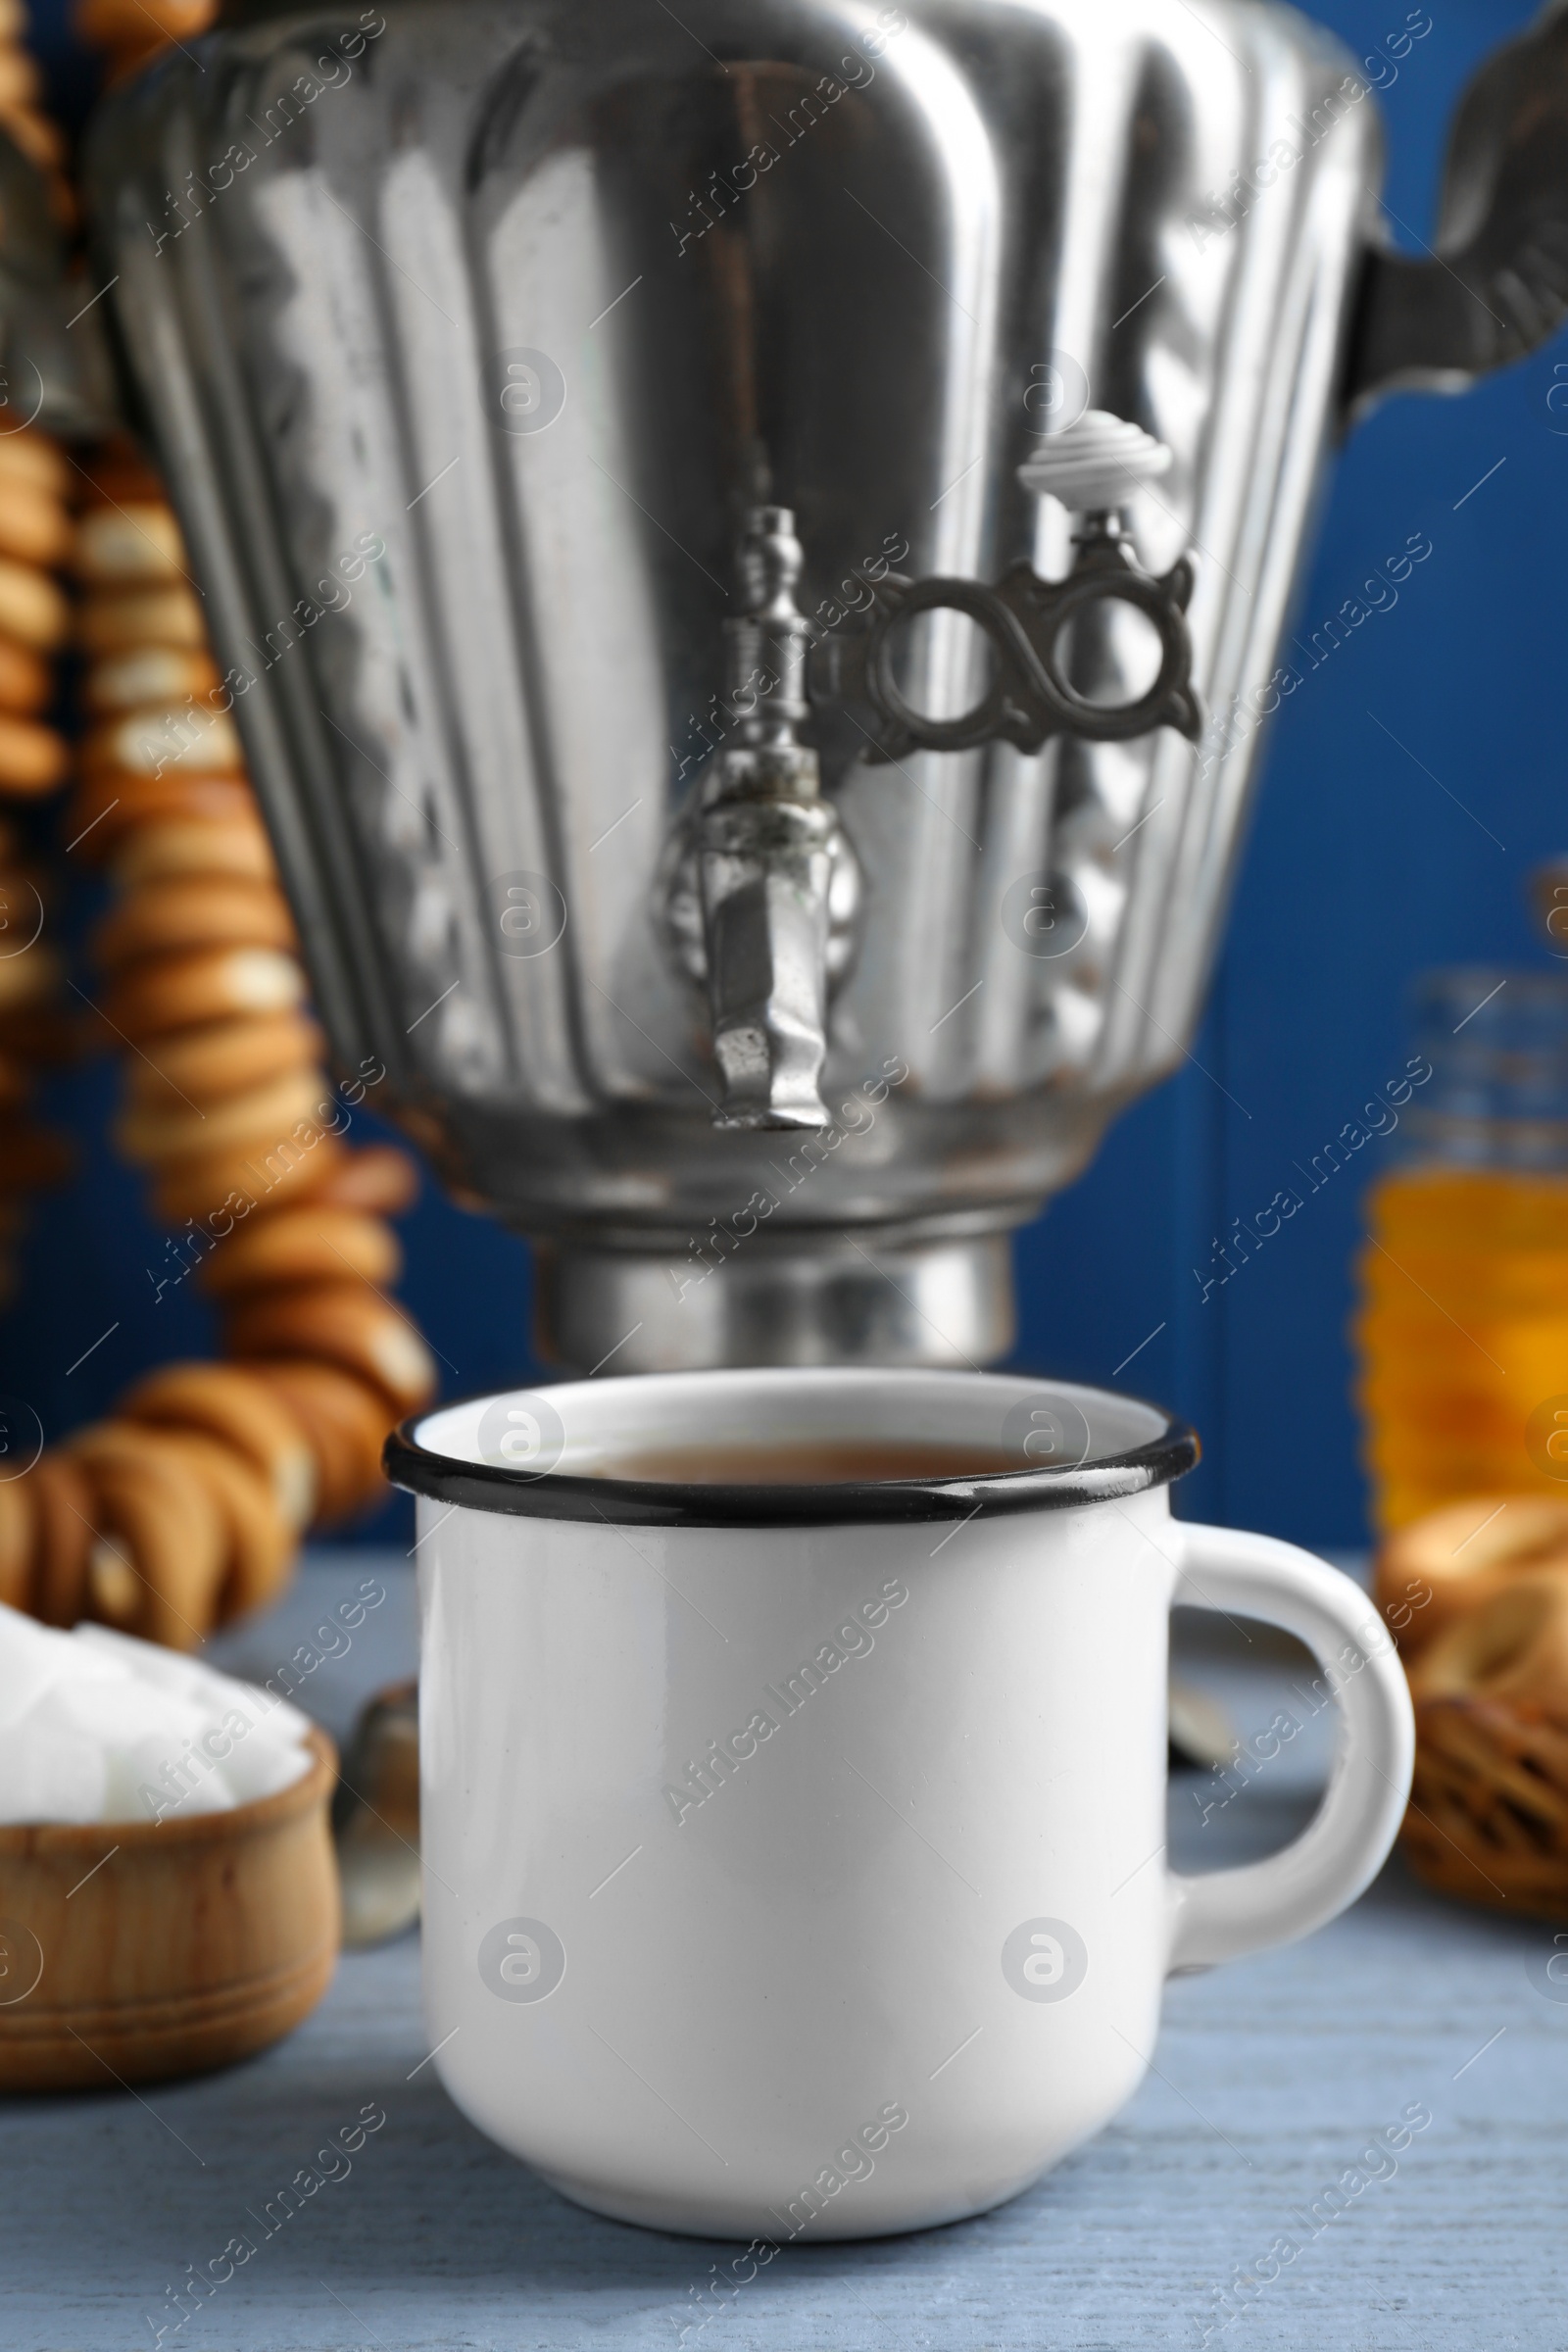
794 1856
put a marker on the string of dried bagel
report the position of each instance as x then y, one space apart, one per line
36 533
187 1505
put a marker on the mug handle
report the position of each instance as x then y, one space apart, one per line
1224 1912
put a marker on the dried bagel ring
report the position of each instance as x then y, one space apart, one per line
123 544
186 913
105 810
260 1542
32 609
27 979
32 458
117 624
180 992
17 1532
63 1538
138 24
229 1402
24 978
26 684
34 526
208 1066
24 89
158 1564
380 1179
219 1189
157 849
346 1323
347 1425
38 138
254 1120
21 82
33 758
303 1245
186 740
1439 1567
149 674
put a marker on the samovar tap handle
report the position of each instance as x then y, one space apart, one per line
775 879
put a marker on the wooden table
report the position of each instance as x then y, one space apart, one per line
1269 2079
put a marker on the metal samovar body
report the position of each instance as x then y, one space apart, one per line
565 405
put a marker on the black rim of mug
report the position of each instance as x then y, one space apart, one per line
649 1503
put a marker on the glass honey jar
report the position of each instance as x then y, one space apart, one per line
1462 1328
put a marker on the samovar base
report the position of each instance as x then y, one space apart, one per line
936 1293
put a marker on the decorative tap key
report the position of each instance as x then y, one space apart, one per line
1093 469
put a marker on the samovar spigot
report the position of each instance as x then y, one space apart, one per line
777 884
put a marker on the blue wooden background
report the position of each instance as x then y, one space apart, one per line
1361 870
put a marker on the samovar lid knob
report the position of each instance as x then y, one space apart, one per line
1095 465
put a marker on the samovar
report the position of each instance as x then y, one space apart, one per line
749 547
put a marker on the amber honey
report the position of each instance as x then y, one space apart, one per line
1462 1336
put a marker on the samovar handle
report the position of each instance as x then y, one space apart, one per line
1493 287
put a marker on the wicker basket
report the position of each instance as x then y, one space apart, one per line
1489 1805
1477 1594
